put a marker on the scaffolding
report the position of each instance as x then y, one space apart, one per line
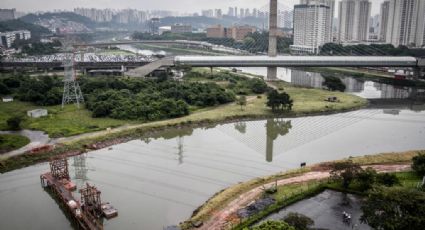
59 168
90 197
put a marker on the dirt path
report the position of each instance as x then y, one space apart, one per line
219 219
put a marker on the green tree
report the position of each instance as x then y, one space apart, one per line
394 208
366 178
346 171
241 101
387 179
418 164
14 123
333 83
298 221
273 225
4 90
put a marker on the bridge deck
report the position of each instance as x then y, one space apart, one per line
296 61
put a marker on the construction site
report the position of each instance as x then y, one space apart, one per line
86 213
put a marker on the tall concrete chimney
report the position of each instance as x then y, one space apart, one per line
272 71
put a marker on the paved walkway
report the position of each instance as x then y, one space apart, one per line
218 220
37 138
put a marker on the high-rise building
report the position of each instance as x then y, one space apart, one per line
207 13
218 13
385 10
7 14
231 12
312 25
241 13
181 29
354 20
406 23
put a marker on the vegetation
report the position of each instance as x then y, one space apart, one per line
38 48
149 100
279 101
241 101
18 24
419 164
9 142
273 225
333 83
394 208
372 50
60 122
298 221
346 171
14 123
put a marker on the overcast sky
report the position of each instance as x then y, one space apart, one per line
182 6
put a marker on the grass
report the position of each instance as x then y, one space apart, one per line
59 123
9 142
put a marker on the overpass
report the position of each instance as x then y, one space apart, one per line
417 64
142 68
298 61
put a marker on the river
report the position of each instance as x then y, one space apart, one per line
161 180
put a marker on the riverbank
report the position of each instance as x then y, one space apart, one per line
219 211
10 142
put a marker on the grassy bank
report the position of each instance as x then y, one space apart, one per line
9 142
221 199
59 123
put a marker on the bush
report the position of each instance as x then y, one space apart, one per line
273 225
298 221
14 123
418 164
387 179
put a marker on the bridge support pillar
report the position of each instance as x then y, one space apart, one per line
272 71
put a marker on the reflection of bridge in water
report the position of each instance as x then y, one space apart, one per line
284 134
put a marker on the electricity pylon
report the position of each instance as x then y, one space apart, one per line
71 90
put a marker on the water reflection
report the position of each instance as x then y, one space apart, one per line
241 127
80 169
379 88
274 128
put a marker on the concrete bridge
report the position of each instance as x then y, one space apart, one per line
143 68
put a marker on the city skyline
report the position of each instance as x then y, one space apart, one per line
184 6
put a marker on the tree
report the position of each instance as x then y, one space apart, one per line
298 221
4 90
394 208
333 84
273 225
366 178
346 171
387 179
14 123
241 101
418 164
279 101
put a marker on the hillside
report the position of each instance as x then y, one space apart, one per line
18 24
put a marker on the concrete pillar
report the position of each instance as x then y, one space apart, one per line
272 71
